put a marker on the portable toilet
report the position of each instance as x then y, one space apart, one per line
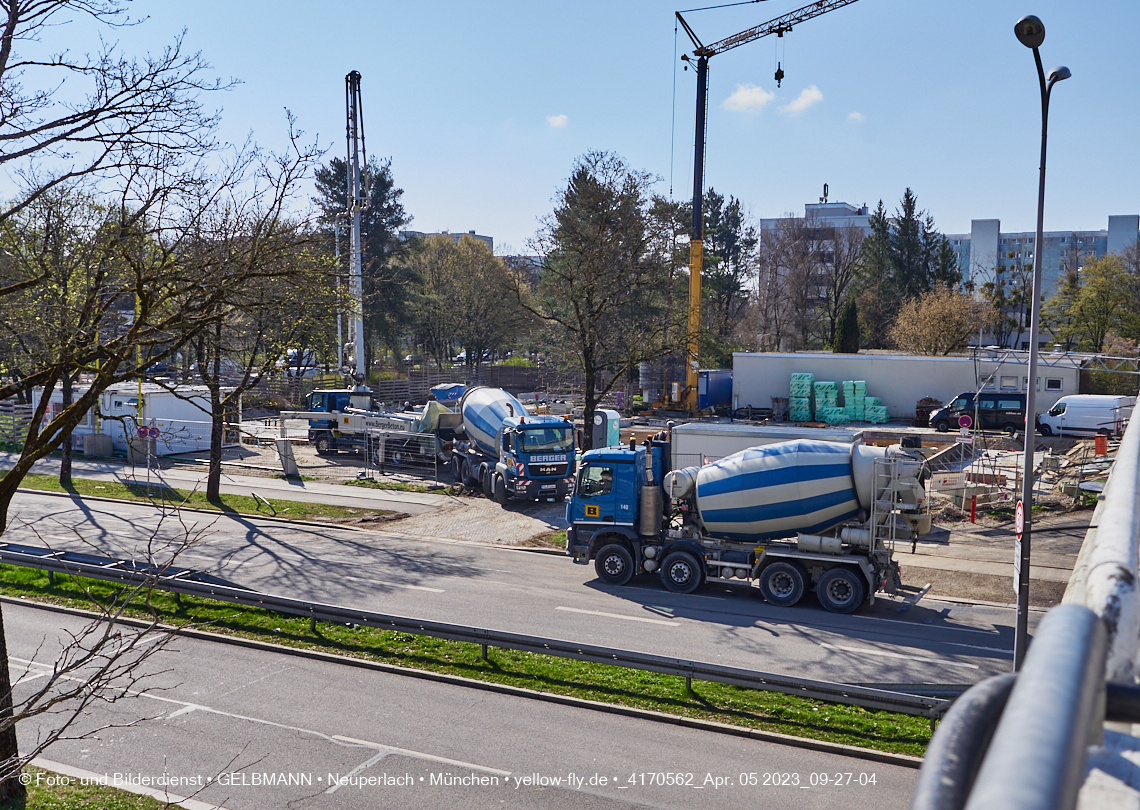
607 428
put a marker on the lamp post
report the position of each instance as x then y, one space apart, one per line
1030 32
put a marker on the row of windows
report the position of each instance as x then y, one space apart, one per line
1010 383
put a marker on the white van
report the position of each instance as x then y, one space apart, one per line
1086 415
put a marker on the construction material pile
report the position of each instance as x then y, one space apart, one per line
800 400
826 399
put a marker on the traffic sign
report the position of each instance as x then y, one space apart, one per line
154 432
964 439
1019 521
142 432
965 420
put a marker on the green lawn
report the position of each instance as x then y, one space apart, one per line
244 504
609 684
68 794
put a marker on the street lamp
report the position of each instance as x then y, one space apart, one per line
1030 32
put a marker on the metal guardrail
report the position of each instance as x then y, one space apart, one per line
183 581
1022 740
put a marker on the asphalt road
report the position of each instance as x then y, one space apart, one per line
538 594
232 719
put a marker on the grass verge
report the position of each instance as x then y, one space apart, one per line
403 486
770 711
156 493
49 791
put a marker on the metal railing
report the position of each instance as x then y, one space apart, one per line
183 581
1022 740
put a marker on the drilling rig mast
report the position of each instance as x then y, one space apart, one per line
357 198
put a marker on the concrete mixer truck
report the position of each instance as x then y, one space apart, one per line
495 443
789 517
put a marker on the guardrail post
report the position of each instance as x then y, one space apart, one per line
484 652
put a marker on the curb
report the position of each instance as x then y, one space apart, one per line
903 760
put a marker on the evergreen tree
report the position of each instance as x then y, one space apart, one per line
386 282
847 339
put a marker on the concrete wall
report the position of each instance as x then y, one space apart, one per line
900 381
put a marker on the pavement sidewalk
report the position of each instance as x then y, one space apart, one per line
188 478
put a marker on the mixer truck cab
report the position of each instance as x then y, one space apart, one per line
788 517
536 459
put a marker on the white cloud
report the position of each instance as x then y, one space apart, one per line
857 117
748 98
807 97
557 121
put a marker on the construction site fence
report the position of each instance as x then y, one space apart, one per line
15 419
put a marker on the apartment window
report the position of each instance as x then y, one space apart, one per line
1054 384
1009 383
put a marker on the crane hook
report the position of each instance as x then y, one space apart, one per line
779 74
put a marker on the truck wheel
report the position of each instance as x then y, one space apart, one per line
840 590
485 477
942 426
469 479
456 471
782 583
323 446
499 486
614 564
1045 430
680 572
1010 428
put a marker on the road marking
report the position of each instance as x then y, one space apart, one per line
368 763
619 616
885 654
30 677
1008 653
184 710
928 626
390 749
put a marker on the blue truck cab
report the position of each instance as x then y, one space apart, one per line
618 517
324 434
536 458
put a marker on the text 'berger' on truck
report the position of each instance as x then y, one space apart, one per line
513 454
845 505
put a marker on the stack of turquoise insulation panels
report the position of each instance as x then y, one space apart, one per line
877 414
833 416
826 396
800 397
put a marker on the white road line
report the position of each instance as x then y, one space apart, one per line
1008 653
619 616
885 654
368 763
27 678
431 758
101 779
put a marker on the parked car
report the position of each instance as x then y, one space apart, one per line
994 411
1086 415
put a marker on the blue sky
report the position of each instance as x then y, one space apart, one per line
483 107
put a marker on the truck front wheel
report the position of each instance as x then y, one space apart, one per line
323 445
680 572
840 590
500 488
614 564
782 583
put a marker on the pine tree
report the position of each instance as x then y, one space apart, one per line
847 338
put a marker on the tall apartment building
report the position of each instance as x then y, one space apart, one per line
986 254
487 240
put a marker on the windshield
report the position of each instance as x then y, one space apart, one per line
1057 409
558 439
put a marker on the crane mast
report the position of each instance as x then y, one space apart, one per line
702 52
357 198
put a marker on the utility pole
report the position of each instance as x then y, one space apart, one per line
779 26
357 199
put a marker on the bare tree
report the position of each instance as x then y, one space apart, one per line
940 322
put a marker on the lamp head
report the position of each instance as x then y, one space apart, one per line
1058 74
1030 31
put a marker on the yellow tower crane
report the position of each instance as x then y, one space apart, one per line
702 52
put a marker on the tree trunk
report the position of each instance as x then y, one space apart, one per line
588 410
11 791
65 448
217 434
